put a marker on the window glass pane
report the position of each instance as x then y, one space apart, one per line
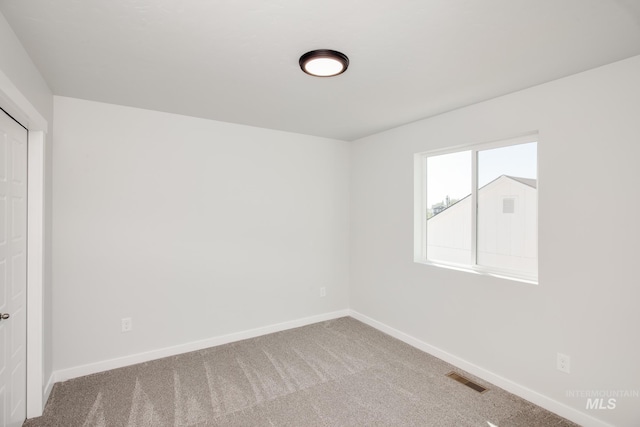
507 226
449 208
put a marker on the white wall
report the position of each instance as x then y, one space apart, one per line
586 302
23 76
18 67
193 228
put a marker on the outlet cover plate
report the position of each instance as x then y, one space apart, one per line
564 363
127 324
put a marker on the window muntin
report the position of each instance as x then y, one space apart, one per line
476 208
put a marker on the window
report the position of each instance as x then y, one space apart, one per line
477 208
509 205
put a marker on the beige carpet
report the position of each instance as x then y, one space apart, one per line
336 373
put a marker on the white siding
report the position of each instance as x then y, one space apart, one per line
508 240
449 234
505 240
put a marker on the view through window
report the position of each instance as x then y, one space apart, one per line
479 208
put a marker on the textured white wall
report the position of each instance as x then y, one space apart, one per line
585 305
193 228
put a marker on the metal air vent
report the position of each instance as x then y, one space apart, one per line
467 382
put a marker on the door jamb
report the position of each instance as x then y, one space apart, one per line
18 106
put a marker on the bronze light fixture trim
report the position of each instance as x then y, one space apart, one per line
324 63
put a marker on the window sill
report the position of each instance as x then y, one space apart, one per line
482 271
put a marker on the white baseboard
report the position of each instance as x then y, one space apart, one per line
48 388
545 402
105 365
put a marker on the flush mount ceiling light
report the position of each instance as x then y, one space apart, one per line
324 63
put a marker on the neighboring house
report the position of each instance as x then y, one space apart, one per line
507 227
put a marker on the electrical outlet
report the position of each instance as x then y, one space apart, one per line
564 363
127 324
323 291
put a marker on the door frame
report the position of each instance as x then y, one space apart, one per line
19 107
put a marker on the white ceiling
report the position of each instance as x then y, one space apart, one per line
237 61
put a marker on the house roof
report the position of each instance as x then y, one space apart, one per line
530 182
526 181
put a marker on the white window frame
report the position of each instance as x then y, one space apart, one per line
420 209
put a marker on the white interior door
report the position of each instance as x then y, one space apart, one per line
13 271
